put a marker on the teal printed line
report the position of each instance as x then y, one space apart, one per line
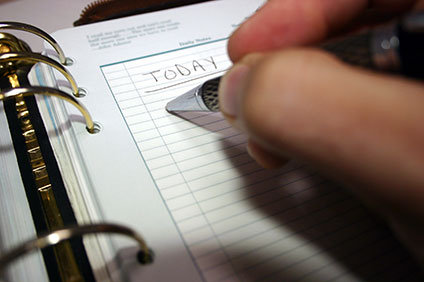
165 52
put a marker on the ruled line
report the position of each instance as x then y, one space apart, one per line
214 192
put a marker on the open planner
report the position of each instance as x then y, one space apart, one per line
184 182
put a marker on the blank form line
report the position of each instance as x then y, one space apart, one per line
310 242
206 143
139 123
192 137
176 122
196 126
145 130
219 140
370 229
293 234
379 240
321 251
261 218
259 194
244 199
206 164
272 215
118 94
218 171
225 181
116 78
118 85
195 156
180 131
166 114
243 188
206 175
259 207
126 116
202 155
245 175
130 107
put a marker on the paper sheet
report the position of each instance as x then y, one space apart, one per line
186 183
16 221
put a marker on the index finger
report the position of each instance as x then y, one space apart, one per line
282 23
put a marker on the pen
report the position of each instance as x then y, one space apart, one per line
397 47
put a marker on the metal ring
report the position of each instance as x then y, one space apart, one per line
37 58
26 91
38 32
55 237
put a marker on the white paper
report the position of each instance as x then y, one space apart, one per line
208 211
16 221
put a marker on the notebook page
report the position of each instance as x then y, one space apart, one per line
214 191
16 223
186 182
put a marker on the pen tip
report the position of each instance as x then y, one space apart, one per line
173 106
187 102
168 108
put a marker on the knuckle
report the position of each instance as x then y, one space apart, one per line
277 88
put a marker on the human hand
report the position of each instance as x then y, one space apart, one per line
362 128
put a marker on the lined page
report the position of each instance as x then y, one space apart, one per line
238 221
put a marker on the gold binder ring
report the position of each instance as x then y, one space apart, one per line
26 91
10 43
60 235
34 58
38 32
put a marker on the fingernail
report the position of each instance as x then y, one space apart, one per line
250 151
263 158
230 88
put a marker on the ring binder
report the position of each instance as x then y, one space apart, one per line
186 185
25 91
38 32
32 59
16 61
144 256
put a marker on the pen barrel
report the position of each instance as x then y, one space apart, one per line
355 49
411 37
395 48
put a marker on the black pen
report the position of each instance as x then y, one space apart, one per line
397 47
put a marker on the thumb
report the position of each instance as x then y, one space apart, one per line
359 127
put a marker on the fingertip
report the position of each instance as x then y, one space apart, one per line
262 157
230 88
234 48
279 24
232 85
278 91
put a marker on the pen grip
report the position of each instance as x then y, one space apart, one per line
209 91
354 49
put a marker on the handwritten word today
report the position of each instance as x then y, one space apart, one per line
183 70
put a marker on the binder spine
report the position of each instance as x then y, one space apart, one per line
16 60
